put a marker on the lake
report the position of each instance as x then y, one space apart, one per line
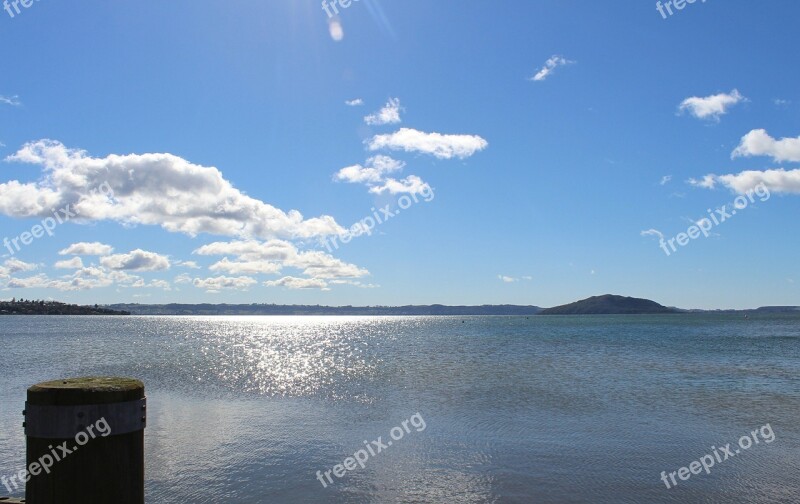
479 409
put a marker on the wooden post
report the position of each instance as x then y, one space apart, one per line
89 434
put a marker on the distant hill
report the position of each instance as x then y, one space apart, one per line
23 307
609 305
764 310
272 309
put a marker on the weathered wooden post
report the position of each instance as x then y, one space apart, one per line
85 441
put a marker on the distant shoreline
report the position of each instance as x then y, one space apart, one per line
51 308
410 310
591 306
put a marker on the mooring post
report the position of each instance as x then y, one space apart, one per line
85 441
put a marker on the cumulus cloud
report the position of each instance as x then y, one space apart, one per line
374 171
707 182
216 284
83 279
507 279
34 282
136 260
389 114
550 66
779 180
279 254
411 185
245 267
711 107
14 265
435 144
187 264
87 249
354 103
151 189
154 284
183 278
74 263
298 283
759 143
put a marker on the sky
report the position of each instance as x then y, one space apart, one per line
381 152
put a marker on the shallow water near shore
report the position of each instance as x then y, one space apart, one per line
516 409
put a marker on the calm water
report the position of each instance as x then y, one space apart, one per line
550 410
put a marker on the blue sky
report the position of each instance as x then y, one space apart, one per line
541 150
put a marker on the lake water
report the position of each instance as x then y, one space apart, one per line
515 409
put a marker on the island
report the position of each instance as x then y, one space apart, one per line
31 307
610 304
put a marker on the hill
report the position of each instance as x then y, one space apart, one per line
609 305
30 307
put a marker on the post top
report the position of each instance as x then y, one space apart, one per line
86 390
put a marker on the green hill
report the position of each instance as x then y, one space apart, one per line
609 305
30 307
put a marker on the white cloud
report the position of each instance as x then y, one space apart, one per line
14 265
374 171
336 30
507 279
711 107
10 100
411 185
245 267
136 260
389 114
219 283
83 278
435 144
183 278
151 189
549 67
154 284
160 284
779 180
251 250
707 182
298 283
187 264
87 249
653 232
354 283
354 103
74 263
34 282
314 263
666 179
759 143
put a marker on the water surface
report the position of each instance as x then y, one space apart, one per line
516 409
